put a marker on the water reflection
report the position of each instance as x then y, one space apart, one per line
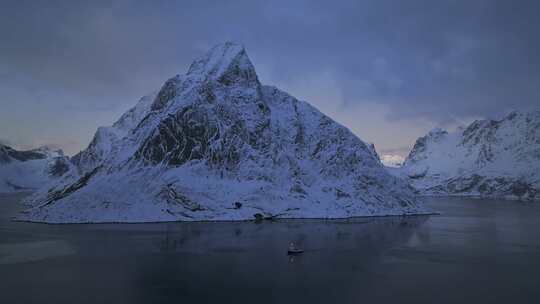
487 251
33 251
193 258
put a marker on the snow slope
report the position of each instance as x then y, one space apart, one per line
30 170
215 144
392 160
491 158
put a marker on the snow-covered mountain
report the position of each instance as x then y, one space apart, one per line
492 158
30 170
215 144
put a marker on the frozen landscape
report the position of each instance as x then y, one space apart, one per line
488 158
216 144
383 152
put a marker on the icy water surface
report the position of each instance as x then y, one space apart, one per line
477 251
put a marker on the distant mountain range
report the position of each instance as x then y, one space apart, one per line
489 158
30 170
216 144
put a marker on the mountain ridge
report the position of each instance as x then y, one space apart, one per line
492 158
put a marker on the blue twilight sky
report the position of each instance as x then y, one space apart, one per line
388 70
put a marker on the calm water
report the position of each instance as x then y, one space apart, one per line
480 251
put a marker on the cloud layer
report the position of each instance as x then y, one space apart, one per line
389 70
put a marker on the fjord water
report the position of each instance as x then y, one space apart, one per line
483 251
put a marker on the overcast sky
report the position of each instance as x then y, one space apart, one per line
388 70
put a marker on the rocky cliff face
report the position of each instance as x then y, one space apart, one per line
30 170
493 158
216 144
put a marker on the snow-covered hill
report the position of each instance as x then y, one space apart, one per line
488 158
30 170
215 144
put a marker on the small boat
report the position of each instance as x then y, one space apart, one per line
293 250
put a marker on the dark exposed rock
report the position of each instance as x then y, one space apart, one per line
174 197
488 187
464 184
297 188
258 217
180 138
342 194
418 175
59 194
59 167
167 93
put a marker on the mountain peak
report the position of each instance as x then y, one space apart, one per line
227 63
437 132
